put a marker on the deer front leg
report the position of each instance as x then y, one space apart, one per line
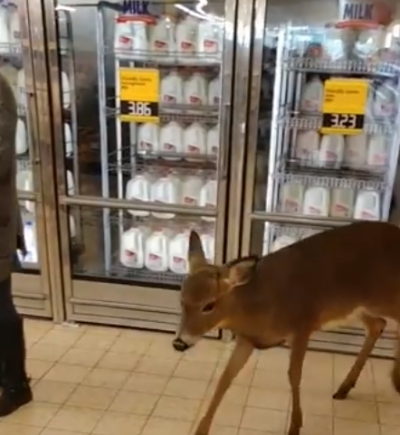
238 359
298 352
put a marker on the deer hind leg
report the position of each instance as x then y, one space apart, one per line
374 327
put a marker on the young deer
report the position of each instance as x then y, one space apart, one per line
288 295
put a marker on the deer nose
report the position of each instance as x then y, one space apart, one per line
180 345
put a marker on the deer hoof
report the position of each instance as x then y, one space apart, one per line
203 428
294 431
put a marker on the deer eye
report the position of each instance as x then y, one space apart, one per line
208 308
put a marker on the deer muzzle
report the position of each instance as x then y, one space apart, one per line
180 345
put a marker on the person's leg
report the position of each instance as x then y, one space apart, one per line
15 383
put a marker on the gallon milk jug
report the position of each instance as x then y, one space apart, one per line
66 90
162 37
166 190
191 190
171 140
214 92
208 243
172 89
21 139
156 252
377 156
209 38
123 37
30 242
342 205
186 38
292 198
178 253
132 248
25 180
384 105
4 32
368 205
15 27
22 99
195 141
140 42
148 138
313 96
72 226
208 197
213 141
307 147
139 189
69 150
316 202
195 90
282 242
355 151
70 183
331 151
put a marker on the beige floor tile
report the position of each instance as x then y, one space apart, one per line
106 378
156 365
131 345
273 359
224 430
236 394
93 341
186 388
47 352
67 373
195 370
75 419
18 429
316 425
316 403
270 399
146 383
58 432
37 368
244 378
119 361
264 419
63 336
53 391
92 397
349 427
390 430
252 432
161 346
389 413
116 423
34 414
205 350
177 408
82 357
356 410
228 414
134 402
163 426
267 379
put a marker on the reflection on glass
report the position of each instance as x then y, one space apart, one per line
30 261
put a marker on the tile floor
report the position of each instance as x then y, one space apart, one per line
108 381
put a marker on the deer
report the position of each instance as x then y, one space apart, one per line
285 296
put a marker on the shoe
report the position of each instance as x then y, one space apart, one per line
13 398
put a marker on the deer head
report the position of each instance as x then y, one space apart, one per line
206 295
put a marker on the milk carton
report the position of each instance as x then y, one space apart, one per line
307 147
166 190
178 253
377 155
292 198
171 140
192 186
148 138
69 149
172 89
210 37
66 90
384 105
331 152
368 205
195 141
132 248
186 39
355 151
313 96
342 205
139 189
21 139
316 202
157 251
195 90
162 37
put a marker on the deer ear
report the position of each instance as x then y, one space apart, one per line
241 271
196 255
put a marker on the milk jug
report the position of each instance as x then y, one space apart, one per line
191 190
316 202
178 253
15 28
25 180
213 141
69 149
4 32
313 96
214 92
140 42
195 90
208 197
139 189
148 138
172 89
166 190
208 243
307 147
123 38
132 248
162 37
292 198
186 38
194 141
209 38
342 203
30 242
384 105
368 205
171 140
70 183
21 139
21 92
66 90
156 251
282 242
355 151
377 156
331 152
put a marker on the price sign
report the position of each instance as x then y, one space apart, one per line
139 94
345 102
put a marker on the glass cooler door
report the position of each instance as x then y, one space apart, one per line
142 149
31 285
310 169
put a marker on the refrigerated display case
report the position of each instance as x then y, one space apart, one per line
302 176
31 286
139 175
